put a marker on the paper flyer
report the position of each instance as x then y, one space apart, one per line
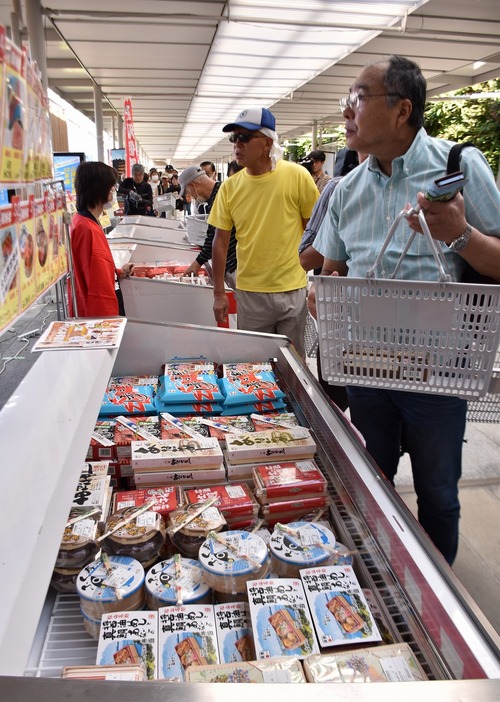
87 334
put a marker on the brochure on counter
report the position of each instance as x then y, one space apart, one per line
82 334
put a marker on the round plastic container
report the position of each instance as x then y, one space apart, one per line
101 592
64 579
189 539
229 567
77 545
141 538
161 582
301 545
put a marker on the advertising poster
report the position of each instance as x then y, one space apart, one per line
42 271
14 115
118 161
9 267
27 248
65 165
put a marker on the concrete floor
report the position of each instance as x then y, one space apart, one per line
478 561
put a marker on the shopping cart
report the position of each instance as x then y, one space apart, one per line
439 337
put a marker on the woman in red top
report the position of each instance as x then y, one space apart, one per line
96 279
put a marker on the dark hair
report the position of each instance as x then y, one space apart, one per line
93 183
317 155
208 163
233 167
405 78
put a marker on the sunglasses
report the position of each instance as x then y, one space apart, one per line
244 138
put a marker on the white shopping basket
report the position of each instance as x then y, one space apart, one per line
196 229
408 335
164 203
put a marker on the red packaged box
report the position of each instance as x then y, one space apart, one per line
275 482
238 423
283 419
166 499
234 501
102 444
124 435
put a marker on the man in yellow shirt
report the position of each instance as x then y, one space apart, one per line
269 203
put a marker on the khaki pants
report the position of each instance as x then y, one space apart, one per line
274 313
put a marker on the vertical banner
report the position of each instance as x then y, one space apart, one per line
14 115
131 155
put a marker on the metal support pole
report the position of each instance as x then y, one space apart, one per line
314 135
36 33
98 122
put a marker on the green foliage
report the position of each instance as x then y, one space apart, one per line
476 120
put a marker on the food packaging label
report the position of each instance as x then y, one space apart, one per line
338 606
302 543
129 638
262 446
274 481
176 453
93 581
281 622
234 632
186 637
243 553
163 579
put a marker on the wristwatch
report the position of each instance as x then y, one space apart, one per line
461 242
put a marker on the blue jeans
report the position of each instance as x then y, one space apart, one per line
431 428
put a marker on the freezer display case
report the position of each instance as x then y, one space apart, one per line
166 300
173 233
423 603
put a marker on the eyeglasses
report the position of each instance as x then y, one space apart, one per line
355 99
244 137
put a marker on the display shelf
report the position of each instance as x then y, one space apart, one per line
428 607
175 234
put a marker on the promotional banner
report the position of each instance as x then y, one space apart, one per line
131 153
14 115
9 266
26 229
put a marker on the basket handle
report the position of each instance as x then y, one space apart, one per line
437 252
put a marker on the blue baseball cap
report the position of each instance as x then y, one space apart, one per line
253 118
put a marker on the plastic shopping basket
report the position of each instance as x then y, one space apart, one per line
408 335
196 226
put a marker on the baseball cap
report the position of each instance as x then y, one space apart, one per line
188 175
253 118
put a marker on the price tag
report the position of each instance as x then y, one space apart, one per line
147 519
276 676
117 578
235 491
85 528
396 669
309 536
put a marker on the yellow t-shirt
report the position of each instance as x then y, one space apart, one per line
267 213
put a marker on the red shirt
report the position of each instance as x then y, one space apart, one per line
95 275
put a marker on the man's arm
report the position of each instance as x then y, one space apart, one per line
219 254
310 259
331 267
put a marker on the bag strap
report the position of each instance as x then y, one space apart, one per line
453 164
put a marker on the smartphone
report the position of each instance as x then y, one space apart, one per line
445 188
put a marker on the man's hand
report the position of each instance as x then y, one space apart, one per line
221 308
446 220
193 268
